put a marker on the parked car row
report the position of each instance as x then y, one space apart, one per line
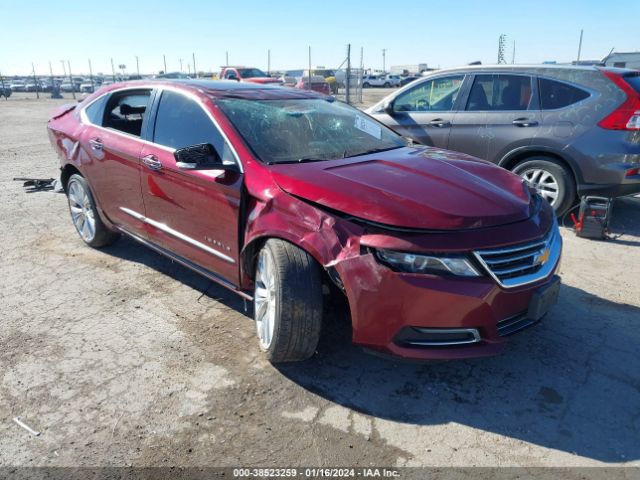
286 196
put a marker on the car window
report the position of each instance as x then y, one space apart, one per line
555 95
95 111
125 111
230 74
181 122
438 94
499 93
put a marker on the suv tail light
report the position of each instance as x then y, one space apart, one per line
627 115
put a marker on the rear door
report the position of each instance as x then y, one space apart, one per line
193 213
424 112
112 141
500 114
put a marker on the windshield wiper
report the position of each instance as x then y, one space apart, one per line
374 150
300 160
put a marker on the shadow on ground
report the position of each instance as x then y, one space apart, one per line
572 383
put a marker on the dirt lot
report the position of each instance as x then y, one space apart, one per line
121 357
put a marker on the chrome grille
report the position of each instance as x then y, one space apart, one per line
524 263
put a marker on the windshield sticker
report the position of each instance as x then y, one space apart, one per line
368 127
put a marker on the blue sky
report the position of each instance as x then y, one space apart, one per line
440 33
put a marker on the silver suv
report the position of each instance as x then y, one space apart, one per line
567 130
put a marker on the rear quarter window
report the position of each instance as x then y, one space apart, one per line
554 95
634 81
95 111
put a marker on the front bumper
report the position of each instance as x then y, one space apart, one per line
384 304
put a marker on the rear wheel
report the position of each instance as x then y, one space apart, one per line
287 302
84 214
387 84
552 180
366 85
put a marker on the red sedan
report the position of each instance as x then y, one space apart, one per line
278 193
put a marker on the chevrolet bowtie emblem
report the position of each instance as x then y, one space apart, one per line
542 258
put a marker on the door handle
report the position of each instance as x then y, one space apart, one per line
152 162
96 144
524 122
440 123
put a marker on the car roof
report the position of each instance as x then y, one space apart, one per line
524 68
224 89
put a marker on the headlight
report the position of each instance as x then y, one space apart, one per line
414 263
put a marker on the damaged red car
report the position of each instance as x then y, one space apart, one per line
277 194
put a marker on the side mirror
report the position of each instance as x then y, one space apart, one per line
201 156
388 108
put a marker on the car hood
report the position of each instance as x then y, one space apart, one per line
415 188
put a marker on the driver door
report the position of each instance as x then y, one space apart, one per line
424 112
191 212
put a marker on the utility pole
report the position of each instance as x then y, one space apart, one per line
501 41
180 65
269 62
164 59
73 85
309 80
137 66
35 80
113 71
580 46
91 77
195 72
226 58
513 54
348 75
384 65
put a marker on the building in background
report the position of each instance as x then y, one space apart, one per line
415 69
623 60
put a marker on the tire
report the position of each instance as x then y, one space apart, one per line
287 302
366 85
84 214
550 177
387 84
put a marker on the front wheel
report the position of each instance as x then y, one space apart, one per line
387 84
366 85
551 179
287 302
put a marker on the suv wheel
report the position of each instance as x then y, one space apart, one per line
551 179
84 214
287 302
366 85
387 84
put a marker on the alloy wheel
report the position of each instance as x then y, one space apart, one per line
265 299
544 182
81 211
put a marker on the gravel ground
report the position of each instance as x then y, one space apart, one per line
120 357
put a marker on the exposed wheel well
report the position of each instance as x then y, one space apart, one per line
511 162
66 173
330 277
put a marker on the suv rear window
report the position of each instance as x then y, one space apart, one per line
555 95
633 80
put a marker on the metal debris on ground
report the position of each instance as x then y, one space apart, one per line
39 184
26 427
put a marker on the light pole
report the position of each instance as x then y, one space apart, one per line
384 64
